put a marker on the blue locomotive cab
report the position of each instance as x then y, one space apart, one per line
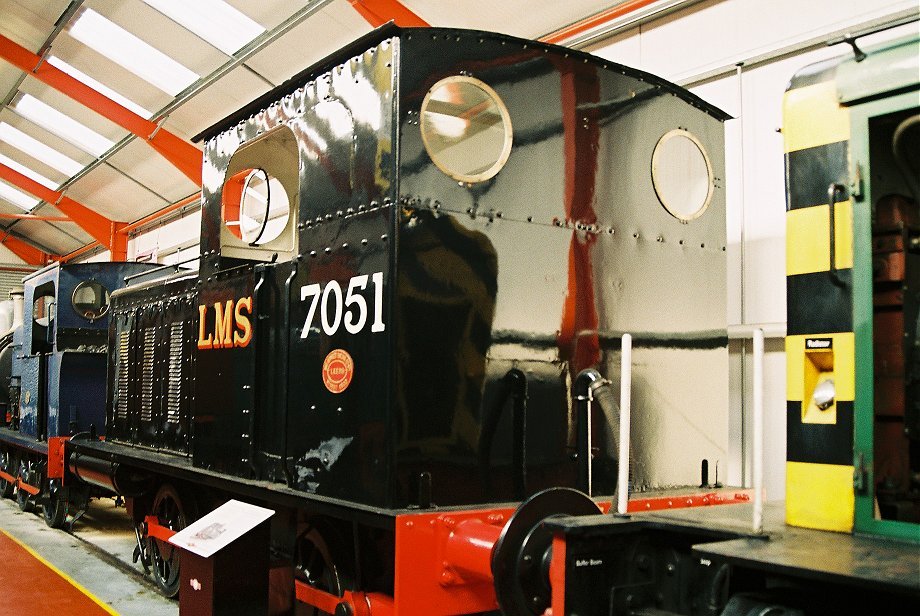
53 365
61 361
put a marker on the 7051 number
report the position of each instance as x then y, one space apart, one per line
350 310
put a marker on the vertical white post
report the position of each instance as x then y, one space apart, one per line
757 392
625 401
589 453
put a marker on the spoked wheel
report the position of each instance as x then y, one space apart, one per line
6 465
170 510
25 500
55 507
314 564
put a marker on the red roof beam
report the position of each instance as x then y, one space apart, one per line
34 217
101 228
180 153
28 253
379 12
595 21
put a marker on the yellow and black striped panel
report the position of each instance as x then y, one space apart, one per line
819 443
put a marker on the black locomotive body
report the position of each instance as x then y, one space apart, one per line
426 290
411 254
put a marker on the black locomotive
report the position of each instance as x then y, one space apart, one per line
417 261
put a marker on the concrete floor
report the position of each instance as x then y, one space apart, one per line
97 555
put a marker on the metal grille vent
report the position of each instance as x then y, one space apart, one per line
121 383
174 392
150 338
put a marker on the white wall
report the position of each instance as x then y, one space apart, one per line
8 256
701 47
169 243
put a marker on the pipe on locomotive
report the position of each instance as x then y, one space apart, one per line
590 387
109 475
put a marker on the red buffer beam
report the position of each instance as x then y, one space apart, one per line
180 153
379 12
103 230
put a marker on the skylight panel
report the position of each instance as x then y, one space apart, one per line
38 150
99 87
122 47
17 197
62 125
215 21
29 173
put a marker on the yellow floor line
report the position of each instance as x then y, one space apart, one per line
69 579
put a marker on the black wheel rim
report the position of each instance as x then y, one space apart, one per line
55 507
168 509
314 565
6 487
23 498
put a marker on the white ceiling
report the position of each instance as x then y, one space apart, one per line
133 181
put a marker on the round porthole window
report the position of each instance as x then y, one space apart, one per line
466 128
264 208
682 175
90 300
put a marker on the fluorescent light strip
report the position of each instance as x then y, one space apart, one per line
32 175
62 125
99 87
215 21
38 150
122 47
17 197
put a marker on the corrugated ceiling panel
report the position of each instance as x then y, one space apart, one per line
109 73
47 209
42 169
139 160
45 137
30 23
68 106
524 19
269 13
161 32
8 208
236 89
114 195
311 41
58 238
9 75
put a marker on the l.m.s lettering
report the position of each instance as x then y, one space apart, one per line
232 326
347 309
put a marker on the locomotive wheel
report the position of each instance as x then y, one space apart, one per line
6 487
23 498
522 554
171 512
55 507
314 564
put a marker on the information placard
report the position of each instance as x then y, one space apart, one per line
221 527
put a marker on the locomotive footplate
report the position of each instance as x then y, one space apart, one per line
706 561
269 493
16 439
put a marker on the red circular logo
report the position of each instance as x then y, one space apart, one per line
338 369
